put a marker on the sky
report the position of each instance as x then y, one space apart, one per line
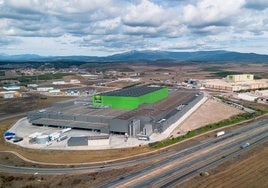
105 27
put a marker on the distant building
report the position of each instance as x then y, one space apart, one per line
11 87
247 97
240 77
75 81
72 93
262 95
59 83
44 89
55 91
262 92
32 85
129 79
9 94
236 83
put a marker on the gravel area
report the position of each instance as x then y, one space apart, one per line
211 111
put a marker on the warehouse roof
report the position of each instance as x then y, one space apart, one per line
134 91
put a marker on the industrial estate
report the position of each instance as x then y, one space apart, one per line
137 111
101 112
130 116
133 94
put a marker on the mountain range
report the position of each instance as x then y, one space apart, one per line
147 56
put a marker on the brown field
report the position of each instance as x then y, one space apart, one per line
209 112
73 180
180 72
249 169
25 104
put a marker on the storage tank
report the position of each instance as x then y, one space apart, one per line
42 139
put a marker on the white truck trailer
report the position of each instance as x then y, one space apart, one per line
220 133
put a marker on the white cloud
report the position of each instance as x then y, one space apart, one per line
103 26
144 13
207 12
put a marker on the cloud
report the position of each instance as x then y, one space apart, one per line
211 13
256 4
28 7
4 41
144 14
105 26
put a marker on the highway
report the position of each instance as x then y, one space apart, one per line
173 165
182 165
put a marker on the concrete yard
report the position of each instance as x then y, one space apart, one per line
23 129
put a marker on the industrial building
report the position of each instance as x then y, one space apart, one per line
131 97
236 83
247 96
240 77
11 87
9 94
138 110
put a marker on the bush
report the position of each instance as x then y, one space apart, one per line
9 179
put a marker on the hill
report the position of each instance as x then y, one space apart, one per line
147 56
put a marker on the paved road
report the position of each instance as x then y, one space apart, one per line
186 163
12 116
174 164
180 172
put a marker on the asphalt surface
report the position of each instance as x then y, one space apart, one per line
11 116
182 165
176 164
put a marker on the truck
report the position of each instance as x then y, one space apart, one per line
245 145
66 130
64 137
220 133
54 136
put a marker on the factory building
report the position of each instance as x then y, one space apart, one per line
144 110
247 96
240 77
9 94
130 98
236 83
11 87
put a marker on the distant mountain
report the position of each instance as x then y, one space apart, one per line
147 56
